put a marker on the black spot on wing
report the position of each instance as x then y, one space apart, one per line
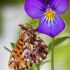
14 51
18 47
20 44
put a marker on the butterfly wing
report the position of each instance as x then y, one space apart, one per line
16 55
34 49
29 49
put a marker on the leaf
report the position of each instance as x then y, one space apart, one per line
30 68
7 49
58 41
12 45
45 62
36 66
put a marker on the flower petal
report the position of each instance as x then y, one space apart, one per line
35 8
51 27
60 6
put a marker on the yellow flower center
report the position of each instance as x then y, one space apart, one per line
50 14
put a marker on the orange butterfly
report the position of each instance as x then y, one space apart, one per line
29 49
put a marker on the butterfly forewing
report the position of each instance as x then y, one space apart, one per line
29 49
16 54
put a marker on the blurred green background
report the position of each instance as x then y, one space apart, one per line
11 14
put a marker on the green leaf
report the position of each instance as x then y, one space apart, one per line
30 68
36 66
45 62
12 45
58 41
7 49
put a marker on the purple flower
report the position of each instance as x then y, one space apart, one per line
50 22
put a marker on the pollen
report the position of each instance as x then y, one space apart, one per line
50 14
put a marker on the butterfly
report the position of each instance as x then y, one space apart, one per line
29 49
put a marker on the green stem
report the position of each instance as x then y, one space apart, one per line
52 54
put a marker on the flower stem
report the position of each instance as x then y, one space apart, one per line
52 54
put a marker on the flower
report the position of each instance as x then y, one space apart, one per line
48 12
